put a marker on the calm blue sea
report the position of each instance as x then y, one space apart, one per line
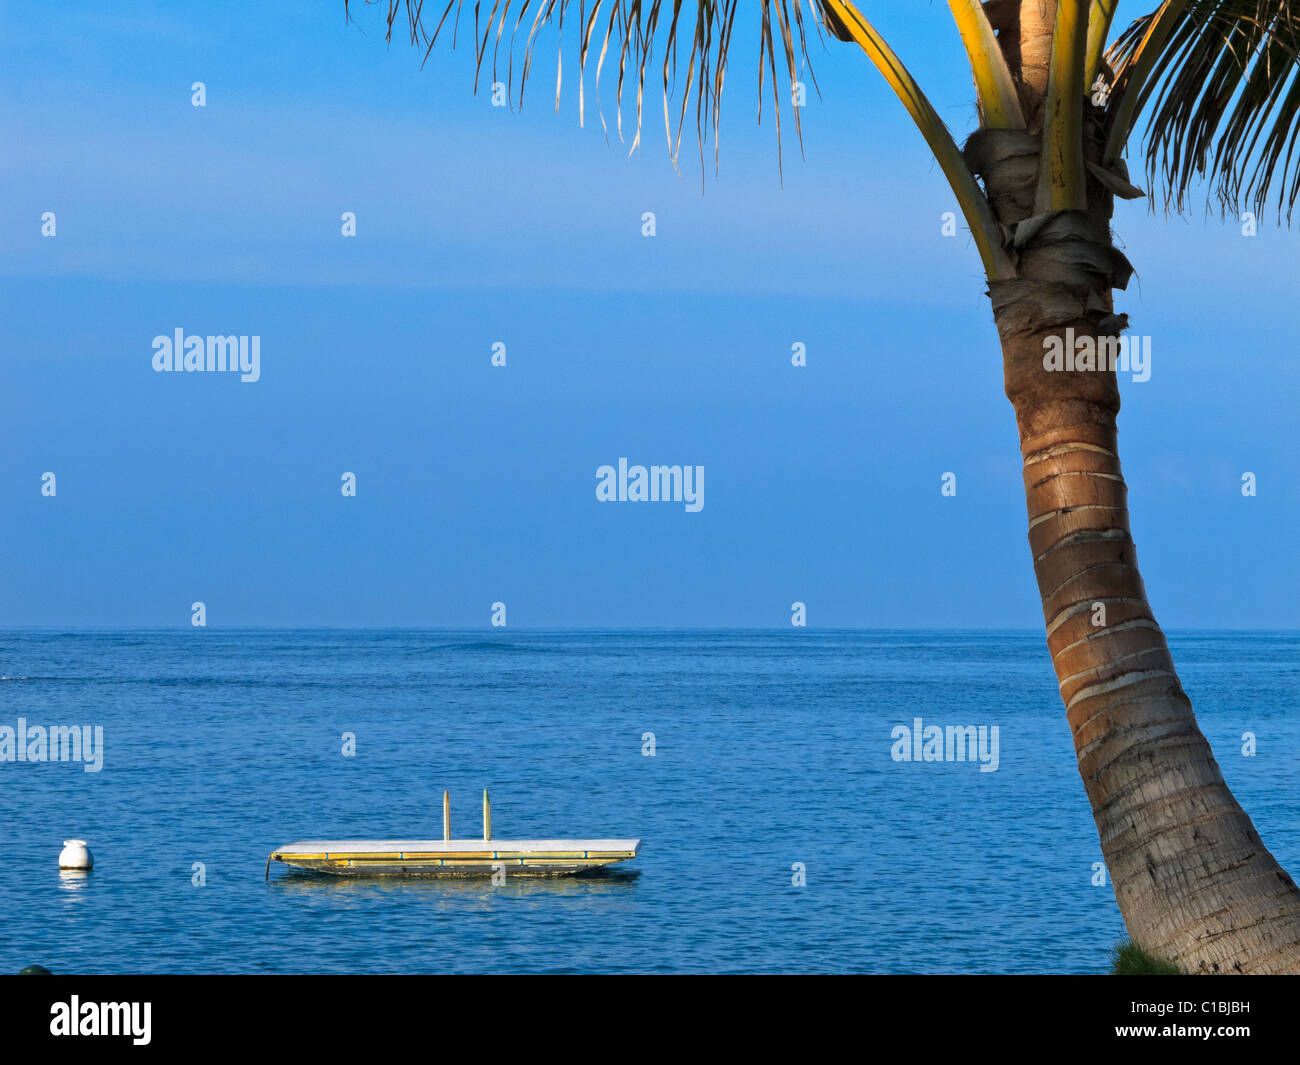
771 748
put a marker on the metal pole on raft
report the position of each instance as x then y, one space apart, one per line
446 815
487 817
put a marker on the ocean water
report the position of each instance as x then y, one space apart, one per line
771 749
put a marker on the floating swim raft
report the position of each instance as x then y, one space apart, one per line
454 857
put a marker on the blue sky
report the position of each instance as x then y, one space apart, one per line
478 225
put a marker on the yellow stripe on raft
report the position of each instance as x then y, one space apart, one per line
397 857
486 856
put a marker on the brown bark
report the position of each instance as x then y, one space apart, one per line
1192 879
1030 48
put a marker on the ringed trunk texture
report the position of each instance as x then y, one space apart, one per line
1192 879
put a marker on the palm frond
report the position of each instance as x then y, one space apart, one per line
846 23
1099 20
626 33
1061 185
1222 102
995 87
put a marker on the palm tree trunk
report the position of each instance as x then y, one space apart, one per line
1193 881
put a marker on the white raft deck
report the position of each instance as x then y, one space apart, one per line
454 857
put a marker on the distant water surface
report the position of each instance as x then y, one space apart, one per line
771 748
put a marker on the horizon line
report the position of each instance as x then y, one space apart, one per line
612 630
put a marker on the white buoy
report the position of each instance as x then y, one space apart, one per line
75 855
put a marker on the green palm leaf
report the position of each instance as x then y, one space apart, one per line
1221 99
625 33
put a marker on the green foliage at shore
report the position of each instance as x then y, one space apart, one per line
1128 959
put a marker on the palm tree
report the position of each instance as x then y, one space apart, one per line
1216 82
